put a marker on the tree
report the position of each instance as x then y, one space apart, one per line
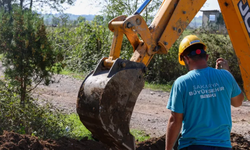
99 19
28 55
55 21
114 8
81 19
6 4
64 19
220 20
29 4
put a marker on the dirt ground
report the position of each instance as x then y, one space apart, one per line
14 141
150 115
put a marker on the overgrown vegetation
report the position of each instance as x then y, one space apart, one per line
86 44
41 118
44 121
29 57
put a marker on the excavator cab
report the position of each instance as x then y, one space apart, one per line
107 96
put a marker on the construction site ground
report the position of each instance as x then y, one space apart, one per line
150 115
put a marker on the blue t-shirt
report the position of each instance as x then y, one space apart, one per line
204 98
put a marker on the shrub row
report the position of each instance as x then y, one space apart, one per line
86 44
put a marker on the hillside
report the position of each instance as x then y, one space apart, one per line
48 17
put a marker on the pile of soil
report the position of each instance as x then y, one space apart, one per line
238 143
14 141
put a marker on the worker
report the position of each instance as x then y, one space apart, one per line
200 101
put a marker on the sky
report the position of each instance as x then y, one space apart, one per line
91 7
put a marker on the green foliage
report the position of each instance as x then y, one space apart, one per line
219 45
114 8
81 19
64 19
76 129
83 55
220 20
28 54
83 46
165 69
41 118
139 135
55 21
44 121
29 4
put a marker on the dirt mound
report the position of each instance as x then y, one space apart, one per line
14 141
237 140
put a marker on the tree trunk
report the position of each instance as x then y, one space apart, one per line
23 90
31 3
7 5
21 4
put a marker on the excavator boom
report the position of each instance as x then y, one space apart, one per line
107 96
236 14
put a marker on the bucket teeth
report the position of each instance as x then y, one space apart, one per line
106 101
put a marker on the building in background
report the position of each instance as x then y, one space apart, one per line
213 20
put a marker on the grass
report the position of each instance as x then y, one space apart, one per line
80 76
139 135
158 87
1 56
77 130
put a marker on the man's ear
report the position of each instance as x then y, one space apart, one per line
207 57
186 59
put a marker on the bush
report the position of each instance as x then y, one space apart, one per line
219 45
85 52
83 46
43 121
166 68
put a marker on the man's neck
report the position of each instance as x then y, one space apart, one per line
198 65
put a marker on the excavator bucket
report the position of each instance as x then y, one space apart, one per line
106 101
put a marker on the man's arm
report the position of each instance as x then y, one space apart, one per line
237 100
173 129
222 64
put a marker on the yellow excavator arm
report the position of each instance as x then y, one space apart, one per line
107 96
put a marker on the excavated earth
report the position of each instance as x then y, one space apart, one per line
150 115
14 141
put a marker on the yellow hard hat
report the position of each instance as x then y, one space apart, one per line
187 42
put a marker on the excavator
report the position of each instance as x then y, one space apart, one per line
108 94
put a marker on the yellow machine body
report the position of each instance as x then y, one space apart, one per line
171 20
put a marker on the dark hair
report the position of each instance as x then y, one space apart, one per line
193 48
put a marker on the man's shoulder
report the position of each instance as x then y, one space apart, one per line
221 71
182 78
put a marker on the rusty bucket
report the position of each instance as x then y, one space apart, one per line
106 101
